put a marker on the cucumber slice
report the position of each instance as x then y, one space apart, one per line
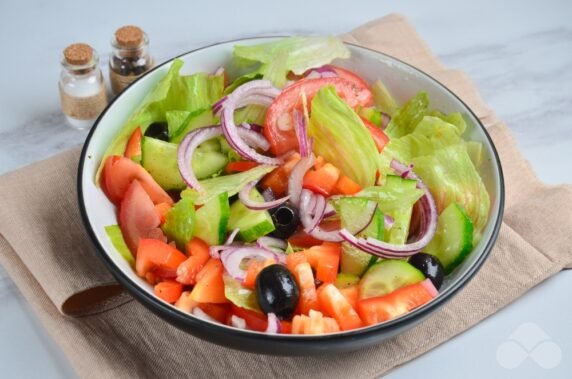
353 260
387 276
453 240
355 213
344 280
160 159
196 119
252 224
213 219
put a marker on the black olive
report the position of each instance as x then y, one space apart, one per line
430 266
277 291
158 130
285 219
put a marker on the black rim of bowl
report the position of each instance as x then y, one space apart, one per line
180 318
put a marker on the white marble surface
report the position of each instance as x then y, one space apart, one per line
518 52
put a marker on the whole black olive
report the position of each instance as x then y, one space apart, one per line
285 219
430 266
158 130
277 291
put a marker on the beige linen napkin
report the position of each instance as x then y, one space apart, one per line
46 252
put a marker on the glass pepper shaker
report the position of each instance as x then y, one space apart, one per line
130 57
81 85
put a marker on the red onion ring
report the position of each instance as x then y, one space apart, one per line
244 196
301 133
273 244
187 148
385 120
231 237
273 324
246 94
388 221
253 138
232 257
312 224
297 177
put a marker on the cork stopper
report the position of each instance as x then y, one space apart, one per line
78 54
129 36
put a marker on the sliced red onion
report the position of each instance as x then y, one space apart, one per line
273 324
218 105
330 236
231 237
253 139
318 212
232 257
329 211
199 313
388 221
406 171
244 196
302 134
254 127
430 287
252 92
325 71
273 244
385 120
268 195
237 322
297 177
186 149
311 224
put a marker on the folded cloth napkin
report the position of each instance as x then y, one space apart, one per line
46 252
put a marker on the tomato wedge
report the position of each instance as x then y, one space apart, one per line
169 290
323 180
325 259
239 166
305 280
254 320
379 137
279 127
210 285
119 172
138 217
198 252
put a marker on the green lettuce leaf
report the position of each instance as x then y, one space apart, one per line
295 54
384 101
175 119
452 177
238 295
180 223
172 92
116 237
341 137
231 184
407 117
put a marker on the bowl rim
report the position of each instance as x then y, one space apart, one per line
178 317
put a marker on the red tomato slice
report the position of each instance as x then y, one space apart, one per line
210 285
382 308
305 280
279 128
198 252
346 186
303 239
379 137
169 290
277 180
118 174
133 147
137 216
219 312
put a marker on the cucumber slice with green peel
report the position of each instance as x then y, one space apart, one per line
387 276
159 158
453 240
213 219
251 224
197 119
344 280
355 261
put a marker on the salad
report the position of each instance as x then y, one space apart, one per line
293 197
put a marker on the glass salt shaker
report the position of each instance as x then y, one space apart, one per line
130 58
81 85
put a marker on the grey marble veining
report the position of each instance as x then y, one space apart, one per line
519 53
